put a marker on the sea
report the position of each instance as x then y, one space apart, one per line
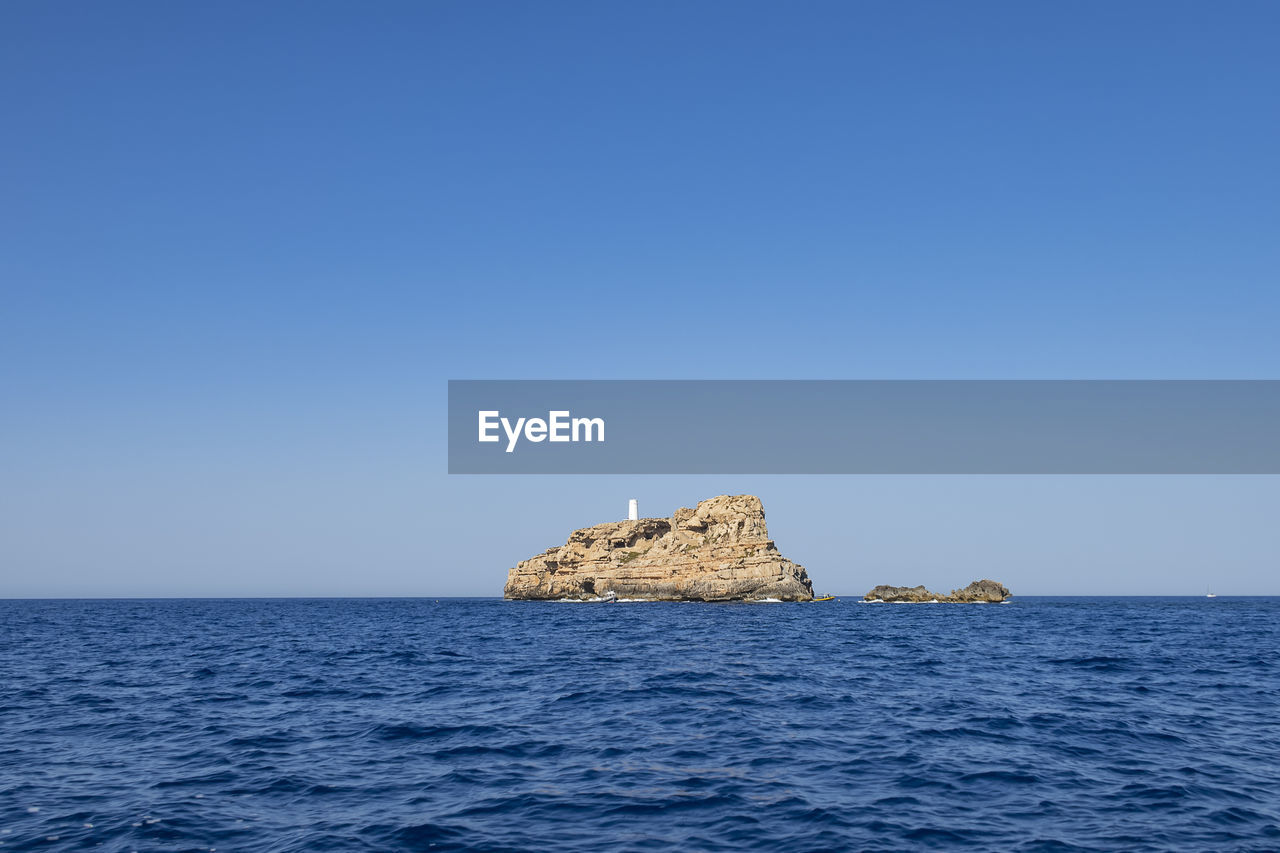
480 724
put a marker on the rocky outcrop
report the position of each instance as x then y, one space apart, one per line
884 592
719 551
979 591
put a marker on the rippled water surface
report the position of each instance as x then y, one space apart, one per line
292 725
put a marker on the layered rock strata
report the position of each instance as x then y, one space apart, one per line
987 591
719 551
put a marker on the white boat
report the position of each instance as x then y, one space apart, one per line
1208 594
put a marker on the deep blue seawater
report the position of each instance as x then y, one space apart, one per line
478 724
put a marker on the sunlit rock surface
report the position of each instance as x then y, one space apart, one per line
719 551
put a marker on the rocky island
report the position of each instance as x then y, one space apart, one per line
983 591
718 551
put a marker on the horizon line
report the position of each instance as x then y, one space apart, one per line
501 598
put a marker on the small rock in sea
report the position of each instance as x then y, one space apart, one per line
983 591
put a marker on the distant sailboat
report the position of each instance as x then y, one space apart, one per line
1208 594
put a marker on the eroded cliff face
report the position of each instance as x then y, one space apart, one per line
719 551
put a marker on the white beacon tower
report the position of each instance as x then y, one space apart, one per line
633 510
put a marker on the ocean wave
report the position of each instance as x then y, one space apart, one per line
476 724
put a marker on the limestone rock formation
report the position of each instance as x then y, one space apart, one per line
978 591
719 551
884 592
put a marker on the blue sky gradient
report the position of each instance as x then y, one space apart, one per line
242 248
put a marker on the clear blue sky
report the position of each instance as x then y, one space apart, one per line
243 246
